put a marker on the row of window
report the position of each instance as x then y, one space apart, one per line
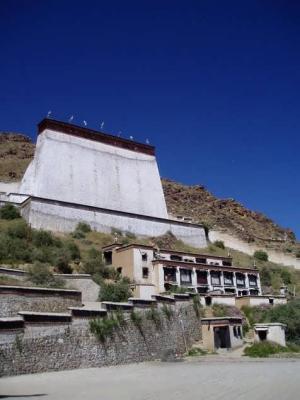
199 260
186 278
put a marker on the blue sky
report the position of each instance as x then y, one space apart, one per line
215 85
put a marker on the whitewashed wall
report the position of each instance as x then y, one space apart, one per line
58 218
82 171
249 248
9 187
228 300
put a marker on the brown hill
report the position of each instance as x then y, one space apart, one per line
228 215
195 202
16 151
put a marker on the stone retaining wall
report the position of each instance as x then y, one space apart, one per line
19 298
46 347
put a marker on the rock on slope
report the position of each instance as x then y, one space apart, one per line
225 214
16 151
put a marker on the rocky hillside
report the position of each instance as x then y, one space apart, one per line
228 215
16 151
194 202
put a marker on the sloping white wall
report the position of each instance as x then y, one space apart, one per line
83 171
58 217
249 248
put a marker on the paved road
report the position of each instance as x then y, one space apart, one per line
196 379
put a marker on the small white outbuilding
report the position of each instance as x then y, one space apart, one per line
273 332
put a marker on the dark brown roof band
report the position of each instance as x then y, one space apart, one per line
198 266
97 136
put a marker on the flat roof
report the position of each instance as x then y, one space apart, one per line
149 247
90 134
112 246
135 245
220 318
195 254
268 324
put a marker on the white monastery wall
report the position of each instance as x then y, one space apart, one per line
88 172
56 216
9 187
229 301
249 248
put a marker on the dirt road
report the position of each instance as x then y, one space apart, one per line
194 379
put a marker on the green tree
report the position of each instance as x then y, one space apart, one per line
118 291
8 211
261 255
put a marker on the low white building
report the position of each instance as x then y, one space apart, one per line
273 332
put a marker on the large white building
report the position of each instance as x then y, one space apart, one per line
79 174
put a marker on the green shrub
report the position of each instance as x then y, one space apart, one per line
118 291
288 314
255 314
197 306
168 311
62 264
264 349
73 250
40 275
246 329
298 254
130 235
265 276
102 328
42 238
95 266
119 316
43 255
13 249
83 227
220 244
196 351
19 229
78 235
286 276
261 255
94 253
137 319
220 310
176 289
8 211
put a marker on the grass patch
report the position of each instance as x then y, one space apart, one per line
167 311
198 306
196 351
103 328
266 349
137 319
154 316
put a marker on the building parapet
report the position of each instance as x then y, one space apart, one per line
221 320
11 324
79 312
113 306
86 133
164 299
31 317
142 303
37 291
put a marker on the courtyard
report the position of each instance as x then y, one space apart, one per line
202 378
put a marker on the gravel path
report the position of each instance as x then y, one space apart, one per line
199 378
